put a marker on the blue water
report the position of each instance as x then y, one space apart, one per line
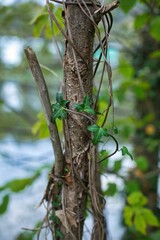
20 160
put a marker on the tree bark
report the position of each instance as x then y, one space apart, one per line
78 82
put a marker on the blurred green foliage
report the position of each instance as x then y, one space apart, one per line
135 83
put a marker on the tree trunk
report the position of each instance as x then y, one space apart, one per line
79 151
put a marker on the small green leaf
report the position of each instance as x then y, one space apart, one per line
128 215
59 108
98 133
150 218
40 127
125 151
59 112
85 106
4 204
137 198
140 223
127 5
111 190
117 165
18 185
60 100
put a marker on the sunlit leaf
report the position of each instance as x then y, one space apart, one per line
128 214
140 223
4 204
137 198
150 218
40 127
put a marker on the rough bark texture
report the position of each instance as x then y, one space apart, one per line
77 141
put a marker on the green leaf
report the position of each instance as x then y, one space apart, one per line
128 215
18 185
98 133
137 198
132 186
150 218
25 236
117 165
155 54
127 5
102 154
40 127
140 223
154 28
59 108
142 163
40 23
140 21
115 130
59 112
127 71
125 151
59 234
85 106
4 204
58 15
111 190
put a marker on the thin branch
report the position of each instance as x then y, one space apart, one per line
116 149
105 9
45 100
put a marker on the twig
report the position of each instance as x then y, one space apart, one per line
116 149
45 100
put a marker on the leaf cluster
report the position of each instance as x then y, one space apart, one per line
137 215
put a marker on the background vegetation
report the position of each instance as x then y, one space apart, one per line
134 56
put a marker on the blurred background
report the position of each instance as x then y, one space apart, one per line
25 149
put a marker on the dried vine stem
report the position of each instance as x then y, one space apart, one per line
45 100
